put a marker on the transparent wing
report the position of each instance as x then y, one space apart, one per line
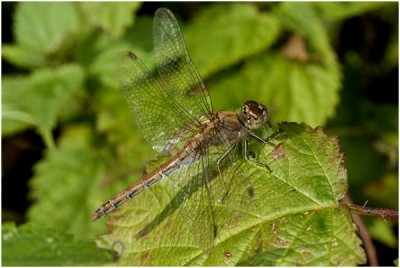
179 76
211 201
235 201
167 109
194 202
153 110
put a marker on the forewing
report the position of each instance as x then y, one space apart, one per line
153 111
179 77
215 201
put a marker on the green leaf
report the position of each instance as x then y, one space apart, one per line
295 218
380 230
299 83
137 39
115 120
343 10
31 246
44 27
14 116
218 40
39 99
294 91
64 184
103 65
112 17
301 17
22 56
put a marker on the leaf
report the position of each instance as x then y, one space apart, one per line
112 17
44 33
380 230
44 27
39 99
22 56
115 121
62 186
302 18
344 10
300 82
218 40
103 65
294 91
136 38
76 177
295 218
32 246
14 118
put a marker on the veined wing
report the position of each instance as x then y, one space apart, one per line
153 110
179 77
214 200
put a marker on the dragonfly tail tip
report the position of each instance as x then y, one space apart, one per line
95 217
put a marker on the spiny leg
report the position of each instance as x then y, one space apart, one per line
246 153
268 139
219 167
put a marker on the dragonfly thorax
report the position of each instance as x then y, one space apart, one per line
254 114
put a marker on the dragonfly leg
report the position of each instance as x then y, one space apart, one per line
246 153
220 160
270 138
226 153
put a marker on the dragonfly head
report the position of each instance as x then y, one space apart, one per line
254 114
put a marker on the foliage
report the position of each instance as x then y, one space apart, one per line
295 216
32 246
63 79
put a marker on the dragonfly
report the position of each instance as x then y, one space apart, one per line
174 113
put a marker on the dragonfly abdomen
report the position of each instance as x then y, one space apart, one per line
183 158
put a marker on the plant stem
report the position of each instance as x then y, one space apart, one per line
362 210
382 212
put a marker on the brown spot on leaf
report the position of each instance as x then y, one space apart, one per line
228 254
278 152
144 257
234 222
295 49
